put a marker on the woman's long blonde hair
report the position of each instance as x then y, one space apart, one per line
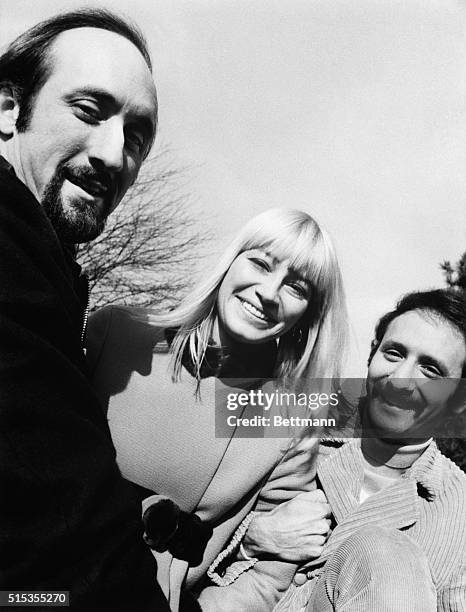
315 346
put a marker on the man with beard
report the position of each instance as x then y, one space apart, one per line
78 114
398 536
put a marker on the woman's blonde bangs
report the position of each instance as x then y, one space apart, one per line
294 236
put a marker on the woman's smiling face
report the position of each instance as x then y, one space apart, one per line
261 297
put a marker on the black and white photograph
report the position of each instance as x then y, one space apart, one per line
233 305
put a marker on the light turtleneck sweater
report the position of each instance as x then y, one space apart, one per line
427 502
384 462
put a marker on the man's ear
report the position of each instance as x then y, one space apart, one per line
374 346
459 409
9 109
458 400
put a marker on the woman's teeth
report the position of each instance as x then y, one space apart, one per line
254 311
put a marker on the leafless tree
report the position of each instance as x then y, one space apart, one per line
146 254
455 448
455 275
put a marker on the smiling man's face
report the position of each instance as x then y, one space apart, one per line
413 374
92 123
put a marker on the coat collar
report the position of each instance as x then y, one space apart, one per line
223 363
340 472
396 507
5 165
427 471
341 475
344 465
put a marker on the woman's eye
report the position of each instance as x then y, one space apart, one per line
260 263
298 289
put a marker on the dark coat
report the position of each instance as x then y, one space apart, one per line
68 520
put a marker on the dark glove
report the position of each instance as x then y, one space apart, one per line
167 527
188 603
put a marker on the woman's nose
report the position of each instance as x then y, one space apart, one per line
268 290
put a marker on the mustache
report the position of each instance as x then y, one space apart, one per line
403 398
88 176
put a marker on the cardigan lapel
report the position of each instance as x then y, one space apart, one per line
341 476
395 507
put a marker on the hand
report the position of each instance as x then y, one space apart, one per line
167 527
293 531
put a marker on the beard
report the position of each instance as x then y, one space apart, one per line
75 220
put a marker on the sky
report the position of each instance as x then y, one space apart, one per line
353 110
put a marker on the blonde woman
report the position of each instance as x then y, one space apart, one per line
273 306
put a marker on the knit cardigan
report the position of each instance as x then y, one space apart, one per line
428 503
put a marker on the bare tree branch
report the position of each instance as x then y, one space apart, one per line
147 252
455 448
455 276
